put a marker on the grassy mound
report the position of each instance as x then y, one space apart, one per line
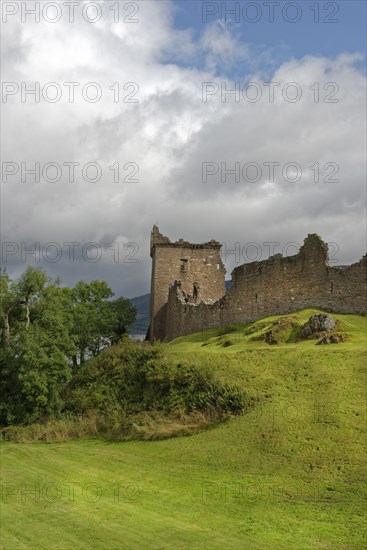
274 330
133 391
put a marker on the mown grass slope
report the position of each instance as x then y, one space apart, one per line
288 475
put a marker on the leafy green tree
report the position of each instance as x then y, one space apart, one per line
46 330
93 318
98 321
33 360
124 318
16 294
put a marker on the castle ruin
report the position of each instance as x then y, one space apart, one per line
188 291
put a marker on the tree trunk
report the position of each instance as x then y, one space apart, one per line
6 326
27 315
6 331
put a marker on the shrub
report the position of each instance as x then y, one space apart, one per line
133 378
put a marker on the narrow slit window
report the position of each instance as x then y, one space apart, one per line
195 292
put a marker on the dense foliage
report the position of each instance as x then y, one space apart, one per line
131 378
48 332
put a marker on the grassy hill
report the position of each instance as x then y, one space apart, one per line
290 474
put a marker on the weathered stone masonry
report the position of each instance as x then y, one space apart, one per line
198 267
188 286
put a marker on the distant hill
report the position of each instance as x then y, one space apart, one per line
142 304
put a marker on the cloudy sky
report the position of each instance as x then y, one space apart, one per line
130 123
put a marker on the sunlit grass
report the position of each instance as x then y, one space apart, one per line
290 474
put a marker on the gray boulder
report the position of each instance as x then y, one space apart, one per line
321 322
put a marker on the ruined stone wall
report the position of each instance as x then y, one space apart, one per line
186 318
278 285
347 292
199 268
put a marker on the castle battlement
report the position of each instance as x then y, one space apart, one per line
157 239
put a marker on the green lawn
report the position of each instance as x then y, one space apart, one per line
288 475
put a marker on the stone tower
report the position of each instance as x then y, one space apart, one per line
198 267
